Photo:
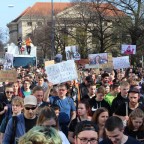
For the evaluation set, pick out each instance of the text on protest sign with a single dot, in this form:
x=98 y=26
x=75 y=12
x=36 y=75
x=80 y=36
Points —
x=61 y=72
x=121 y=62
x=8 y=75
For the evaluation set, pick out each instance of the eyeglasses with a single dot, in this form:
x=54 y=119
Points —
x=32 y=108
x=85 y=140
x=11 y=92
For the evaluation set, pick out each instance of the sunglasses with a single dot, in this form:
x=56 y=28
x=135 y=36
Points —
x=32 y=108
x=11 y=92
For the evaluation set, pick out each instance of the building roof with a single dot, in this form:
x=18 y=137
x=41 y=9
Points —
x=110 y=10
x=25 y=11
x=43 y=9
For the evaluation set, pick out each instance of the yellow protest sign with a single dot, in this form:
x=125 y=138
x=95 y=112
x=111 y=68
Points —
x=47 y=63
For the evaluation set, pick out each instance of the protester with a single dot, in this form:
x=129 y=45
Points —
x=83 y=86
x=114 y=130
x=16 y=89
x=121 y=97
x=38 y=92
x=17 y=107
x=41 y=82
x=126 y=108
x=98 y=101
x=25 y=89
x=41 y=135
x=115 y=89
x=72 y=91
x=86 y=132
x=82 y=115
x=91 y=92
x=135 y=125
x=28 y=45
x=67 y=107
x=99 y=118
x=5 y=102
x=48 y=118
x=23 y=122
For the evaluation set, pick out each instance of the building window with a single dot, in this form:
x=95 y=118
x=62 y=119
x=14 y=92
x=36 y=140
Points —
x=29 y=23
x=39 y=23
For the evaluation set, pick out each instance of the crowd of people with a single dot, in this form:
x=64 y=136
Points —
x=97 y=108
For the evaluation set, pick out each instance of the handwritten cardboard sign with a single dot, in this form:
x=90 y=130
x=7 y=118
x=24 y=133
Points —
x=8 y=75
x=62 y=72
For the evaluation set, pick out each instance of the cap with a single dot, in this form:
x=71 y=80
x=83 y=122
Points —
x=134 y=90
x=30 y=100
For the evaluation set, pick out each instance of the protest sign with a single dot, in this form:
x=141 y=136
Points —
x=8 y=75
x=8 y=61
x=121 y=62
x=128 y=49
x=72 y=53
x=108 y=67
x=100 y=58
x=62 y=72
x=47 y=63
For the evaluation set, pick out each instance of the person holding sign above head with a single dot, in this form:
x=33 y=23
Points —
x=66 y=105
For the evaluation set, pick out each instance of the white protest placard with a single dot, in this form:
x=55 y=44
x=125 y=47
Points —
x=128 y=49
x=121 y=62
x=62 y=72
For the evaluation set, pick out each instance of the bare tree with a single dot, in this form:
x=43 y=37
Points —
x=93 y=23
x=133 y=26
